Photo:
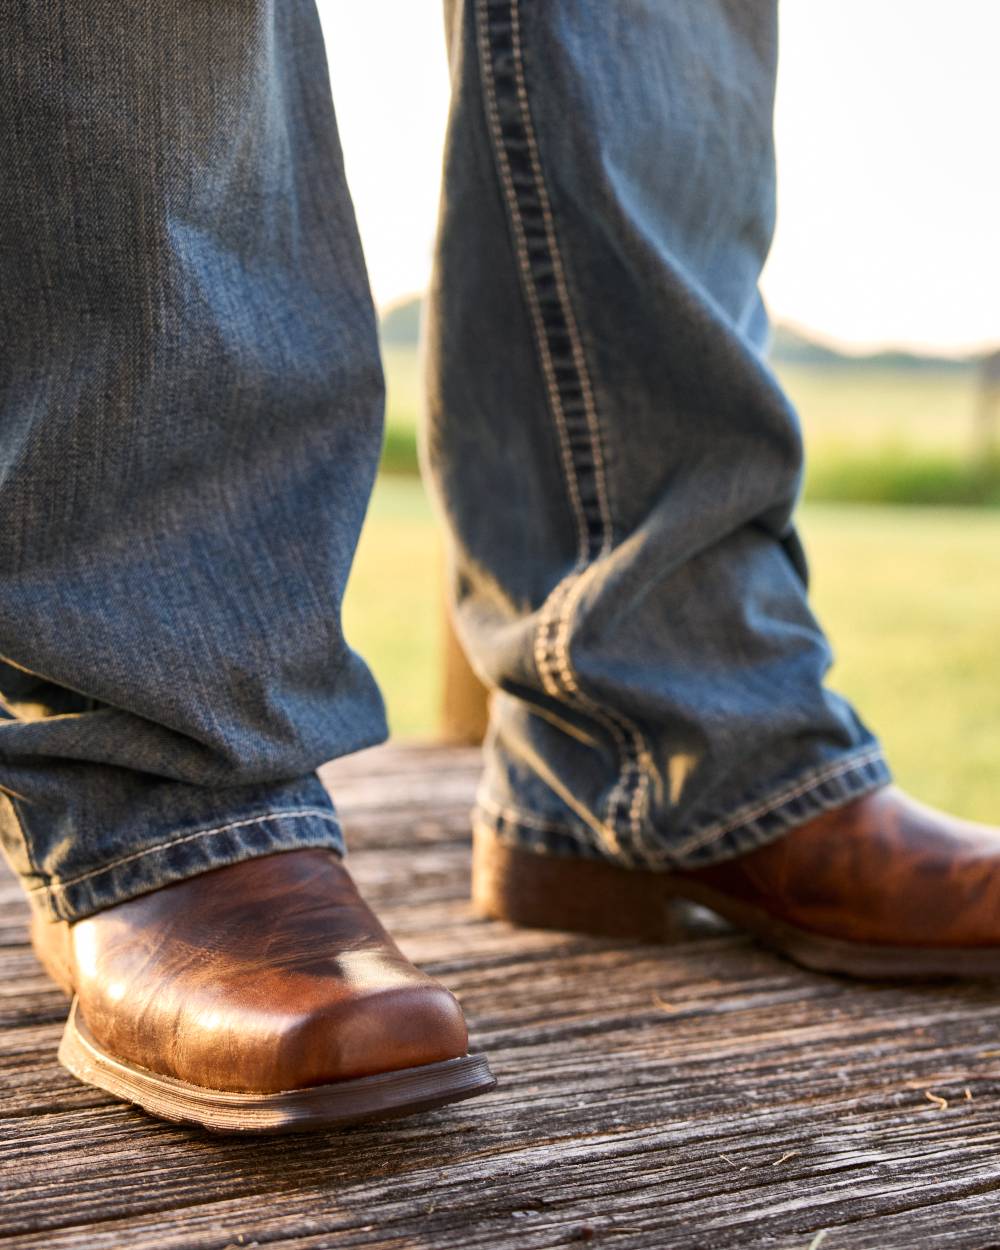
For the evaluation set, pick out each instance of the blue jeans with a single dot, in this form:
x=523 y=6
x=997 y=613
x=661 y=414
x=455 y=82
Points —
x=192 y=415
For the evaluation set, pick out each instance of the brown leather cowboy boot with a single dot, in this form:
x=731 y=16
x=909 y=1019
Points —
x=261 y=997
x=881 y=887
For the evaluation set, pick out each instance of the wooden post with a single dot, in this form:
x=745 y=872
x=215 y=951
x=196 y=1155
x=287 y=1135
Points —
x=464 y=698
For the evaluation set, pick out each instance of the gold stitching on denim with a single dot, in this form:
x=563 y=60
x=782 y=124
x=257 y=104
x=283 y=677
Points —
x=801 y=787
x=576 y=346
x=524 y=261
x=551 y=646
x=187 y=837
x=633 y=757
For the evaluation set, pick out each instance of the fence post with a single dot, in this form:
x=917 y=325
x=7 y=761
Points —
x=464 y=698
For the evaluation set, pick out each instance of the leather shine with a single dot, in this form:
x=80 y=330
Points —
x=267 y=975
x=883 y=869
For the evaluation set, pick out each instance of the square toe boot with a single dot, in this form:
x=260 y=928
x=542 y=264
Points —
x=880 y=887
x=260 y=997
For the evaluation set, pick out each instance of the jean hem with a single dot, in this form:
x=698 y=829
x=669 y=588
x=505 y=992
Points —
x=186 y=854
x=749 y=825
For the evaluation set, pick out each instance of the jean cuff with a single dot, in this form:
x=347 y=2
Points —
x=186 y=852
x=753 y=823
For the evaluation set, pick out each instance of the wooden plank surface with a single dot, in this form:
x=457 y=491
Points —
x=703 y=1095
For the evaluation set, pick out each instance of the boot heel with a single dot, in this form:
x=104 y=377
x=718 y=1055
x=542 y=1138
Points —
x=539 y=891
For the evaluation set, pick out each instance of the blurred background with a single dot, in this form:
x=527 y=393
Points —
x=884 y=288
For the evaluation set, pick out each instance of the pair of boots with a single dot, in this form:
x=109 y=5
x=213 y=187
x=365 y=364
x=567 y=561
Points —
x=266 y=996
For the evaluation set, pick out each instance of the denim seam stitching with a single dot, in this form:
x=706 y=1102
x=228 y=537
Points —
x=635 y=756
x=813 y=780
x=527 y=276
x=516 y=816
x=187 y=837
x=771 y=805
x=551 y=648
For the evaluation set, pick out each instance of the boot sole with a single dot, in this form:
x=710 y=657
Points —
x=540 y=891
x=386 y=1095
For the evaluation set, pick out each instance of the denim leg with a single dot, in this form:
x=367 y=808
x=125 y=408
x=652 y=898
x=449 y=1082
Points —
x=616 y=461
x=190 y=421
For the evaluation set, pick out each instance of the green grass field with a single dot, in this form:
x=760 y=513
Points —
x=874 y=434
x=871 y=409
x=843 y=409
x=910 y=597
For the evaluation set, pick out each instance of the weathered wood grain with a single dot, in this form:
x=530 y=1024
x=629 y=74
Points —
x=703 y=1095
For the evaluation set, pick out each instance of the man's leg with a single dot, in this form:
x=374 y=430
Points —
x=191 y=421
x=635 y=586
x=619 y=468
x=190 y=425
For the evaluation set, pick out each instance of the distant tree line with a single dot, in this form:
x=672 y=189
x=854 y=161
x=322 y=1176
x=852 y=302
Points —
x=789 y=346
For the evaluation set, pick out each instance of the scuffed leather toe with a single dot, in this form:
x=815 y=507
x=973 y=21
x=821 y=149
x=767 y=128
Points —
x=268 y=975
x=391 y=1028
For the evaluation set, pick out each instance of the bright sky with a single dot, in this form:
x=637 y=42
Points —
x=889 y=177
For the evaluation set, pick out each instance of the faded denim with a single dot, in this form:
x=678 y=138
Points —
x=617 y=463
x=191 y=414
x=190 y=422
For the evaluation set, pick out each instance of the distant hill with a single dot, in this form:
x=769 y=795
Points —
x=789 y=346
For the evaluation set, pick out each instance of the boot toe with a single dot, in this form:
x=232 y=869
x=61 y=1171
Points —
x=382 y=1031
